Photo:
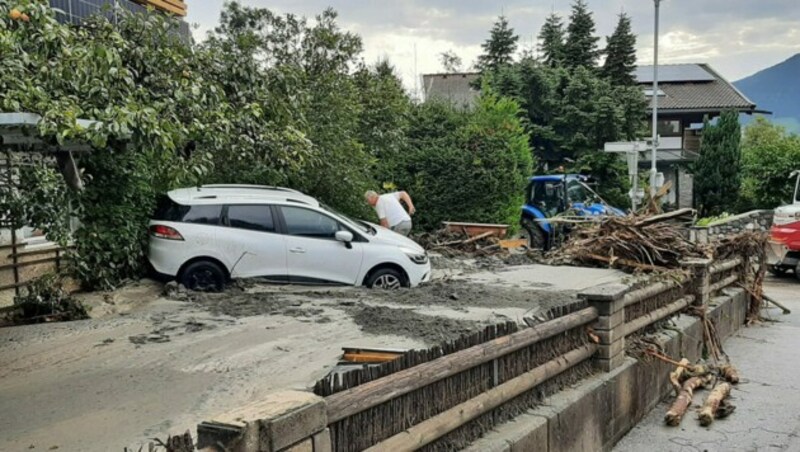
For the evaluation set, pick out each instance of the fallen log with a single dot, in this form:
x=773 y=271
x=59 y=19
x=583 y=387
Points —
x=729 y=373
x=676 y=376
x=684 y=399
x=712 y=404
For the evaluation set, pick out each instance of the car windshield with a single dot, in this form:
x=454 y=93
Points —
x=355 y=224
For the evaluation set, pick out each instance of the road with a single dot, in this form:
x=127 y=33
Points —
x=767 y=416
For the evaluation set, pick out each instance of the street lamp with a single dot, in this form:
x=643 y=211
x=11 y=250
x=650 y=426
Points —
x=653 y=168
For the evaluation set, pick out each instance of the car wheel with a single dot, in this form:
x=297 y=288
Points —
x=534 y=235
x=777 y=271
x=387 y=279
x=797 y=271
x=204 y=276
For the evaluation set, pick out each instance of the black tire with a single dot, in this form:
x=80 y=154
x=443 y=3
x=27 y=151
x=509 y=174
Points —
x=534 y=234
x=386 y=279
x=204 y=276
x=797 y=271
x=777 y=271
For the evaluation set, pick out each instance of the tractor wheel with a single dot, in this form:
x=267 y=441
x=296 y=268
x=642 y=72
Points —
x=534 y=235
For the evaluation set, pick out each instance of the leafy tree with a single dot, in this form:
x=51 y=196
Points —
x=551 y=41
x=769 y=155
x=451 y=62
x=499 y=49
x=580 y=48
x=621 y=54
x=717 y=170
x=469 y=165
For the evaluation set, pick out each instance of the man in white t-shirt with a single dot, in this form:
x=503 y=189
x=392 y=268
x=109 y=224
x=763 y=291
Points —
x=390 y=212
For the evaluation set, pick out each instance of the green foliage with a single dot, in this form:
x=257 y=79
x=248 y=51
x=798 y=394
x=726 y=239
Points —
x=708 y=221
x=266 y=99
x=451 y=62
x=610 y=172
x=464 y=165
x=621 y=54
x=769 y=155
x=551 y=41
x=580 y=48
x=499 y=49
x=717 y=171
x=45 y=296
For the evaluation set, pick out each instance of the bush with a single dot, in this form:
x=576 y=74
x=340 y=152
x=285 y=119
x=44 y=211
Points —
x=464 y=165
x=769 y=155
x=46 y=297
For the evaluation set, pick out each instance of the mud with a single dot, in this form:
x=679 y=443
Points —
x=382 y=320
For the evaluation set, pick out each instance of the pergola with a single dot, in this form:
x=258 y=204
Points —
x=20 y=142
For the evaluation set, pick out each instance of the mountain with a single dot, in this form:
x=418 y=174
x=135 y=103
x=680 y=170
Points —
x=777 y=89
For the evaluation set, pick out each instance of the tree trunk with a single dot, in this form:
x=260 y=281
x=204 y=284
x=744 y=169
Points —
x=713 y=401
x=684 y=400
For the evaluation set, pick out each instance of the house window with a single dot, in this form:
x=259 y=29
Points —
x=669 y=128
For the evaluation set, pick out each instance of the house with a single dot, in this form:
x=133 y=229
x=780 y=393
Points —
x=455 y=88
x=687 y=93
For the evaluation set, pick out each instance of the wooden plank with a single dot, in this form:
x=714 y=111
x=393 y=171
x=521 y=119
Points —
x=370 y=357
x=368 y=395
x=164 y=6
x=434 y=428
x=28 y=263
x=510 y=244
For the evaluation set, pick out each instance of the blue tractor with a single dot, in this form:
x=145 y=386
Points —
x=548 y=196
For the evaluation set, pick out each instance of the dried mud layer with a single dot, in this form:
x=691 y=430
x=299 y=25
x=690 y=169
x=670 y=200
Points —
x=438 y=311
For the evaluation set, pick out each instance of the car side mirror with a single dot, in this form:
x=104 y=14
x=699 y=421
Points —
x=345 y=237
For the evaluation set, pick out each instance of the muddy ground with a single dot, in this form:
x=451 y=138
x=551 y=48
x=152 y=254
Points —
x=149 y=364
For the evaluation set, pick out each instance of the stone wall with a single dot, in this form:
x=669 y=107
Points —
x=756 y=220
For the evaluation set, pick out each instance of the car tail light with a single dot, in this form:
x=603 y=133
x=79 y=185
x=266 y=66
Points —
x=165 y=232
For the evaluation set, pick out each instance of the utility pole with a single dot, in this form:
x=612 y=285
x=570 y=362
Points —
x=653 y=168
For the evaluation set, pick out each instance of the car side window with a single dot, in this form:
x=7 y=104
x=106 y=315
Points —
x=203 y=214
x=307 y=223
x=252 y=217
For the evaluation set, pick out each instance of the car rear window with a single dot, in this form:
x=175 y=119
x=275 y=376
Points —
x=169 y=210
x=253 y=217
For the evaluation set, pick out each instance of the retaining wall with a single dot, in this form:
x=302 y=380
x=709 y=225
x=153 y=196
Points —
x=596 y=414
x=756 y=220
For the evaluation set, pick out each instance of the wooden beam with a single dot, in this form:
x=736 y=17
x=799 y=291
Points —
x=164 y=6
x=434 y=428
x=357 y=399
x=660 y=313
x=370 y=357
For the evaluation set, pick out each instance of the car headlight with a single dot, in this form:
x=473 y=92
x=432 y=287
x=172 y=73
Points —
x=416 y=257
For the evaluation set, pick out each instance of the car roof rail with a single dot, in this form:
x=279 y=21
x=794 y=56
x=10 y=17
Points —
x=248 y=186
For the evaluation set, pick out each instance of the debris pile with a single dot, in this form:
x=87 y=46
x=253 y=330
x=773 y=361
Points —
x=455 y=243
x=687 y=378
x=44 y=300
x=632 y=243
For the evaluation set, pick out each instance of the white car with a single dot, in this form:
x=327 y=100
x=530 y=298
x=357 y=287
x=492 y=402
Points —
x=205 y=236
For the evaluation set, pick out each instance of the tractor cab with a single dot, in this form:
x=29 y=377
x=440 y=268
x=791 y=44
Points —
x=552 y=195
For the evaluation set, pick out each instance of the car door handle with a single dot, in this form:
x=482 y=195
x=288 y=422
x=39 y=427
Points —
x=297 y=251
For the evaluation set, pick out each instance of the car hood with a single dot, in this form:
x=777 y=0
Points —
x=388 y=237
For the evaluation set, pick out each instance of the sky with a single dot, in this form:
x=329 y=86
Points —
x=737 y=37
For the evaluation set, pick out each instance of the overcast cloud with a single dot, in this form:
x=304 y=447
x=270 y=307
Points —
x=737 y=37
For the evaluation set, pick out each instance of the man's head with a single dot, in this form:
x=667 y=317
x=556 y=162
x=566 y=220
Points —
x=371 y=197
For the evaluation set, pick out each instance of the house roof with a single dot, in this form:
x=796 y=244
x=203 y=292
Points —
x=693 y=88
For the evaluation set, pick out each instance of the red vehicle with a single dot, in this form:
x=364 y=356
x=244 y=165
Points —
x=783 y=251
